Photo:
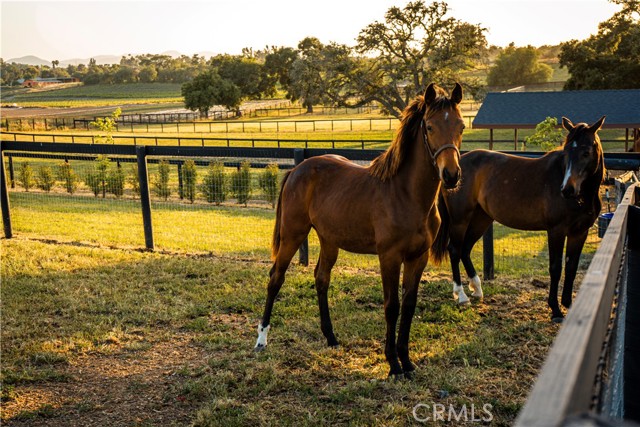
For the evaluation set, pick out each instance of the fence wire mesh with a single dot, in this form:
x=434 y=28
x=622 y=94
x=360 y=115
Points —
x=223 y=206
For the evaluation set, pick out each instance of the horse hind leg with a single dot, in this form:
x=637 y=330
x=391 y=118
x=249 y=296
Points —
x=328 y=257
x=458 y=290
x=477 y=227
x=286 y=251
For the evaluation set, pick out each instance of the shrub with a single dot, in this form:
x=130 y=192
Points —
x=189 y=179
x=547 y=135
x=25 y=176
x=268 y=181
x=161 y=182
x=115 y=181
x=45 y=179
x=98 y=177
x=107 y=125
x=214 y=185
x=241 y=182
x=134 y=180
x=68 y=177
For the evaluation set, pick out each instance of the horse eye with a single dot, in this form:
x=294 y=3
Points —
x=585 y=154
x=429 y=128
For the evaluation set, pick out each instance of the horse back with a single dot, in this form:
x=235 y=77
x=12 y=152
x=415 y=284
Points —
x=519 y=192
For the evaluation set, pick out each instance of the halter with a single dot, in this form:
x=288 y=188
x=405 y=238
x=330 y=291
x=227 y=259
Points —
x=434 y=156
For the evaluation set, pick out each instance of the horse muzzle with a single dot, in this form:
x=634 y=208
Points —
x=450 y=179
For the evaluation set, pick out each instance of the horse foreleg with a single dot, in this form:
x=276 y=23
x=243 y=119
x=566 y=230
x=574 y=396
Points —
x=328 y=257
x=556 y=244
x=574 y=249
x=413 y=270
x=390 y=272
x=276 y=278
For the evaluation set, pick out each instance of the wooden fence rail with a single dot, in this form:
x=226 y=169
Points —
x=571 y=382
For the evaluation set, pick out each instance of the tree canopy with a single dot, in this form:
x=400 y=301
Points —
x=518 y=66
x=609 y=59
x=209 y=89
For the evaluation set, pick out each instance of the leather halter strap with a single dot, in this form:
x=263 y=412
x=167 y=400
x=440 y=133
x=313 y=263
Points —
x=432 y=154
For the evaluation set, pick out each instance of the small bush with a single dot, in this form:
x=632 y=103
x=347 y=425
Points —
x=241 y=183
x=115 y=181
x=134 y=180
x=97 y=179
x=547 y=135
x=68 y=177
x=189 y=180
x=161 y=182
x=45 y=179
x=214 y=186
x=25 y=176
x=268 y=181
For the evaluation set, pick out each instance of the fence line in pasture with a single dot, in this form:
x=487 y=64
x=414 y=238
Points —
x=362 y=143
x=136 y=173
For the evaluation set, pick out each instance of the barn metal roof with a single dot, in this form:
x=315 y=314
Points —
x=527 y=109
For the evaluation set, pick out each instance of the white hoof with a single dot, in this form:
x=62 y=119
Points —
x=459 y=295
x=261 y=343
x=475 y=285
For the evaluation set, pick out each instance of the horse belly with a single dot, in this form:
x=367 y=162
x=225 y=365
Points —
x=346 y=234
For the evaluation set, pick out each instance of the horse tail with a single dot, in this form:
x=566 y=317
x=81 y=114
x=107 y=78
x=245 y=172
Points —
x=275 y=243
x=439 y=248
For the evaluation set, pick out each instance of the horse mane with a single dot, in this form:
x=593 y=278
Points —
x=387 y=164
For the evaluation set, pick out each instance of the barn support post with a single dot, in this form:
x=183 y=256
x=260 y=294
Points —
x=626 y=140
x=488 y=269
x=4 y=199
x=145 y=197
x=303 y=252
x=491 y=139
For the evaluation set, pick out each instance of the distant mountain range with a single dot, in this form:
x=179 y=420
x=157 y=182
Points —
x=100 y=59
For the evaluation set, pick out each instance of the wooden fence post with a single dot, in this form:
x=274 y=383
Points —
x=488 y=269
x=12 y=178
x=4 y=199
x=145 y=197
x=303 y=252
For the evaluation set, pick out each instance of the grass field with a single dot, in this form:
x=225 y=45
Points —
x=97 y=95
x=97 y=331
x=96 y=336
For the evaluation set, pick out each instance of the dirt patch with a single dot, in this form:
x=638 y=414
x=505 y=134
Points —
x=130 y=388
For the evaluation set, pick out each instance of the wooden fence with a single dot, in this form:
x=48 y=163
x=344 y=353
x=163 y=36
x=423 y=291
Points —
x=592 y=369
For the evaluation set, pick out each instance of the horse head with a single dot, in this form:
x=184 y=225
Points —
x=582 y=155
x=443 y=126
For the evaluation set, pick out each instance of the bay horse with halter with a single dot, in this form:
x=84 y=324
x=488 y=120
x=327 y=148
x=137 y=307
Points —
x=558 y=192
x=388 y=209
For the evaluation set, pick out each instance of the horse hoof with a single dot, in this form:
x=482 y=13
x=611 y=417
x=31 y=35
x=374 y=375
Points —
x=396 y=377
x=464 y=302
x=259 y=347
x=557 y=319
x=410 y=375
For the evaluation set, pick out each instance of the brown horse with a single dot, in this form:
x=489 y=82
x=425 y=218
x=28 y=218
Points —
x=558 y=192
x=388 y=209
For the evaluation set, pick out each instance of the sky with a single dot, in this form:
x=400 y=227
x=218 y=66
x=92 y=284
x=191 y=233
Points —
x=84 y=29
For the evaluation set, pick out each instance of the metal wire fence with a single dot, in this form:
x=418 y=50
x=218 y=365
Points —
x=222 y=204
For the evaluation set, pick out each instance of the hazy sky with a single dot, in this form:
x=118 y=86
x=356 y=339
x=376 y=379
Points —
x=82 y=29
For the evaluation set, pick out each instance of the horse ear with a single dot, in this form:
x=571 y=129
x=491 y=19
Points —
x=430 y=94
x=566 y=123
x=597 y=125
x=456 y=95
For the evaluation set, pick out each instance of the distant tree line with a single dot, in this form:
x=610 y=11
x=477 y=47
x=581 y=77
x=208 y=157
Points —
x=391 y=62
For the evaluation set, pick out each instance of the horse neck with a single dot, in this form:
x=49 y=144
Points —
x=418 y=175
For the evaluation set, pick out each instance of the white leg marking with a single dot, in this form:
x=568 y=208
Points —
x=458 y=294
x=262 y=337
x=476 y=286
